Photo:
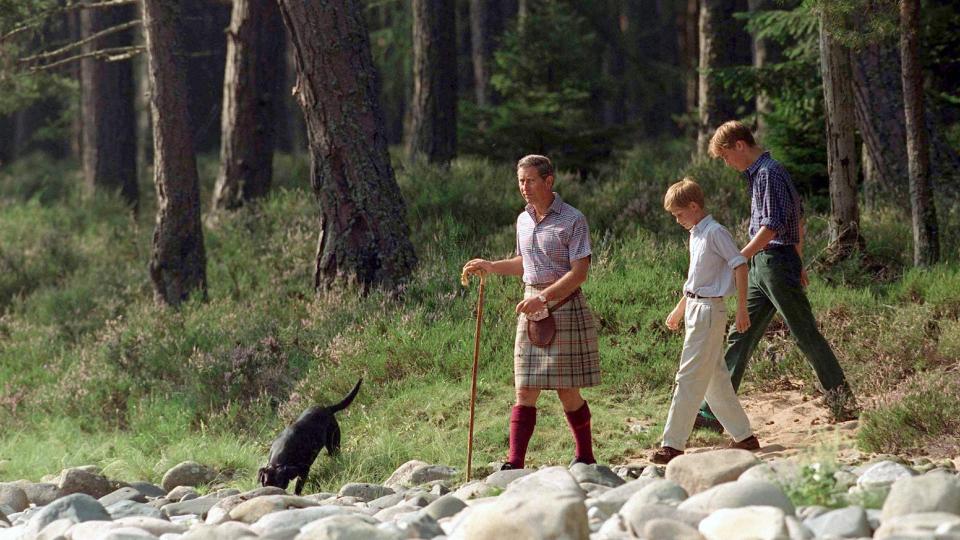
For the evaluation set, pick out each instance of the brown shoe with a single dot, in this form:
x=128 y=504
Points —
x=750 y=443
x=665 y=454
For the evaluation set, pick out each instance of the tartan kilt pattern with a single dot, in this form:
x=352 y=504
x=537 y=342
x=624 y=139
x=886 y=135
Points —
x=571 y=361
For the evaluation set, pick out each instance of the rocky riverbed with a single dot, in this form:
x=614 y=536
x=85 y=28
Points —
x=715 y=495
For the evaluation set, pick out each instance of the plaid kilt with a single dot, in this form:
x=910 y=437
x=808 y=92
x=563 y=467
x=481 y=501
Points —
x=571 y=361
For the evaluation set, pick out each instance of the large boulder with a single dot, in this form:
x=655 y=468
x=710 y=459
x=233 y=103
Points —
x=737 y=495
x=345 y=527
x=659 y=491
x=220 y=511
x=254 y=509
x=13 y=496
x=78 y=507
x=753 y=522
x=701 y=471
x=187 y=473
x=548 y=515
x=414 y=472
x=916 y=525
x=882 y=475
x=555 y=481
x=850 y=522
x=927 y=493
x=82 y=480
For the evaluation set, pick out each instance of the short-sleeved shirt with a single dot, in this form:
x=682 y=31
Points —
x=713 y=256
x=549 y=247
x=774 y=201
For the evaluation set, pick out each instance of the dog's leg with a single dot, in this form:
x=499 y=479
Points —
x=298 y=489
x=333 y=440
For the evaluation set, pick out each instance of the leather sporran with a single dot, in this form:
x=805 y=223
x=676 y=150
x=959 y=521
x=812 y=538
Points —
x=542 y=332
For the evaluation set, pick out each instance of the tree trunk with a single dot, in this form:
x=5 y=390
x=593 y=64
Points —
x=716 y=41
x=204 y=26
x=178 y=262
x=249 y=100
x=486 y=25
x=433 y=120
x=764 y=52
x=363 y=230
x=690 y=54
x=842 y=156
x=926 y=246
x=107 y=108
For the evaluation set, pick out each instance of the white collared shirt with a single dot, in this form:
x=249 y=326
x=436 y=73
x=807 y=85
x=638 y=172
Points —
x=713 y=256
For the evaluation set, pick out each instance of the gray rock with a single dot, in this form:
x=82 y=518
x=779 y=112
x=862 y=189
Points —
x=778 y=472
x=446 y=506
x=555 y=481
x=653 y=471
x=668 y=528
x=252 y=510
x=386 y=501
x=345 y=527
x=502 y=479
x=636 y=516
x=925 y=524
x=754 y=522
x=154 y=526
x=78 y=507
x=122 y=494
x=797 y=530
x=41 y=493
x=737 y=495
x=883 y=474
x=82 y=480
x=196 y=507
x=297 y=518
x=123 y=509
x=13 y=496
x=873 y=518
x=230 y=530
x=91 y=530
x=627 y=472
x=220 y=511
x=701 y=471
x=392 y=513
x=595 y=474
x=660 y=491
x=438 y=488
x=188 y=473
x=127 y=533
x=552 y=514
x=850 y=522
x=56 y=530
x=182 y=493
x=475 y=490
x=148 y=489
x=810 y=512
x=418 y=525
x=611 y=501
x=927 y=493
x=364 y=492
x=594 y=490
x=414 y=473
x=614 y=528
x=418 y=499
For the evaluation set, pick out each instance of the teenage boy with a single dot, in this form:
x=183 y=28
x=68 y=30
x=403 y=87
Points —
x=716 y=268
x=777 y=277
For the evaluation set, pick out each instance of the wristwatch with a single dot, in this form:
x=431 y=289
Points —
x=542 y=298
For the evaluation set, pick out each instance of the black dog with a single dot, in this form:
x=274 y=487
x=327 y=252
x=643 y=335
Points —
x=294 y=451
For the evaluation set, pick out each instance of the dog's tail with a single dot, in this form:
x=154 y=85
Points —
x=347 y=400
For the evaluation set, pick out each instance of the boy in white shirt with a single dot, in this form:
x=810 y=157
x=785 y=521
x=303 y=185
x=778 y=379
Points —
x=716 y=269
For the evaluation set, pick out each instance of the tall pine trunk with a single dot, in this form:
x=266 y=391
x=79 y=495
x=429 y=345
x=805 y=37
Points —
x=764 y=52
x=433 y=114
x=364 y=235
x=842 y=157
x=178 y=262
x=926 y=245
x=716 y=42
x=690 y=54
x=486 y=25
x=109 y=123
x=254 y=46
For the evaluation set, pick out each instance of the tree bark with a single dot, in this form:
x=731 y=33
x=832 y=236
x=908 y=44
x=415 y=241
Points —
x=107 y=109
x=690 y=54
x=178 y=261
x=204 y=24
x=716 y=42
x=486 y=25
x=842 y=155
x=249 y=100
x=363 y=231
x=764 y=52
x=926 y=246
x=433 y=120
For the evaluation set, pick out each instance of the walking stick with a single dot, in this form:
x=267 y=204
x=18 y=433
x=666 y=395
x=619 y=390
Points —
x=473 y=384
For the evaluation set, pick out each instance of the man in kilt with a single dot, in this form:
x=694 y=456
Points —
x=553 y=258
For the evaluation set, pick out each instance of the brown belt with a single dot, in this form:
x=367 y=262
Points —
x=689 y=294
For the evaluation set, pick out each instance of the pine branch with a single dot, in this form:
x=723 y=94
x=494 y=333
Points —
x=84 y=41
x=113 y=54
x=71 y=5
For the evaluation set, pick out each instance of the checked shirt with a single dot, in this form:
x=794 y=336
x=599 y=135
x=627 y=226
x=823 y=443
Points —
x=774 y=201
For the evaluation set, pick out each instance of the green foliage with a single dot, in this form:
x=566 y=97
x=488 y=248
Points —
x=923 y=414
x=816 y=485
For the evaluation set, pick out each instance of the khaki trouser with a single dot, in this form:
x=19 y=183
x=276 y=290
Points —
x=703 y=374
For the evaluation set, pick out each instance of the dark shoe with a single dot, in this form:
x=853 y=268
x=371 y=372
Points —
x=507 y=466
x=710 y=424
x=750 y=443
x=665 y=455
x=842 y=404
x=578 y=460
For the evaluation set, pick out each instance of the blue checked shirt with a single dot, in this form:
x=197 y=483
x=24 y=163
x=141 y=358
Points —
x=548 y=247
x=713 y=256
x=774 y=201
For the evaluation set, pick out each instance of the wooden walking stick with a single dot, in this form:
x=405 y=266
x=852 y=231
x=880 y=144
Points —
x=476 y=363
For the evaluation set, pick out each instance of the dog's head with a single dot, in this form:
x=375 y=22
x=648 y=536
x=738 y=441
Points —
x=276 y=475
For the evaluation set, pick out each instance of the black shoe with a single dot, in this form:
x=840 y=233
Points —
x=750 y=443
x=578 y=460
x=710 y=424
x=842 y=404
x=507 y=466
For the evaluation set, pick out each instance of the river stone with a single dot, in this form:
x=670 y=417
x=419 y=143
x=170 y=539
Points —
x=41 y=493
x=595 y=474
x=390 y=514
x=220 y=511
x=925 y=524
x=78 y=507
x=556 y=481
x=476 y=489
x=883 y=474
x=81 y=480
x=122 y=494
x=152 y=525
x=122 y=509
x=90 y=530
x=197 y=507
x=364 y=492
x=739 y=494
x=229 y=530
x=296 y=518
x=849 y=522
x=753 y=522
x=148 y=489
x=797 y=530
x=637 y=516
x=660 y=491
x=446 y=506
x=414 y=473
x=182 y=493
x=549 y=515
x=614 y=499
x=667 y=528
x=56 y=530
x=13 y=496
x=927 y=493
x=188 y=473
x=345 y=527
x=126 y=533
x=252 y=510
x=386 y=501
x=701 y=471
x=418 y=525
x=653 y=471
x=502 y=479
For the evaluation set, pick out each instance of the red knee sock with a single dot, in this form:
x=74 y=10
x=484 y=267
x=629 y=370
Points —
x=522 y=421
x=579 y=421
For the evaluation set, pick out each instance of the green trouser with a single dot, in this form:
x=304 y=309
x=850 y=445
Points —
x=774 y=287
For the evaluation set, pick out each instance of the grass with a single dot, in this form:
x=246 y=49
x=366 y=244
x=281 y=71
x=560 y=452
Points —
x=93 y=372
